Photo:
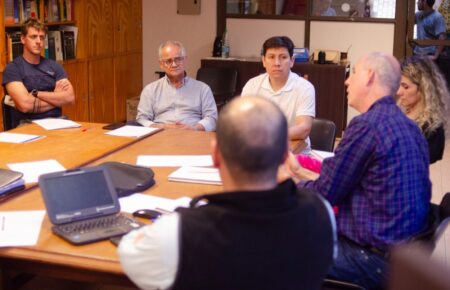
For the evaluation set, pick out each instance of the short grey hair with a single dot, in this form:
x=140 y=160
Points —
x=387 y=68
x=173 y=43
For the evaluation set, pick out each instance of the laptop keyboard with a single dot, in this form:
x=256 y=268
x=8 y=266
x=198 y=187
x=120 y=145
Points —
x=97 y=229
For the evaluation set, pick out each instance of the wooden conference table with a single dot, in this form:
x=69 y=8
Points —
x=96 y=262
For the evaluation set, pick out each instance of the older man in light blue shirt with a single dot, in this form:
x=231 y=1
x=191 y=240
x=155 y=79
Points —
x=177 y=101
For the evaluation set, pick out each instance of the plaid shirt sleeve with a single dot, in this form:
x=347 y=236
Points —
x=342 y=173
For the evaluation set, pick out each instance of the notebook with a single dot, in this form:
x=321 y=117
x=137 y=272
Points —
x=83 y=205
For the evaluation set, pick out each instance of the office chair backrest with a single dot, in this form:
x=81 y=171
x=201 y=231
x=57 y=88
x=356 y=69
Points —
x=7 y=115
x=222 y=82
x=322 y=135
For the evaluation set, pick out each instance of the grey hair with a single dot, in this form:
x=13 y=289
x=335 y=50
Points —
x=174 y=43
x=387 y=68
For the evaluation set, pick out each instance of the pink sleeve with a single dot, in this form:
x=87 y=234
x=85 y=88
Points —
x=309 y=163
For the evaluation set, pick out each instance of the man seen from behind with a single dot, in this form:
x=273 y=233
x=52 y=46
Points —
x=257 y=234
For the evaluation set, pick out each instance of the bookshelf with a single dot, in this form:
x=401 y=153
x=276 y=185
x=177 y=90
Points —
x=107 y=69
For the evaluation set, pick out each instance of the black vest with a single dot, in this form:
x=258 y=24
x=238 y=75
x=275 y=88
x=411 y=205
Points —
x=276 y=239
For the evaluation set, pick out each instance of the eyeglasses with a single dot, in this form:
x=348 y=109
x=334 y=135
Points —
x=168 y=62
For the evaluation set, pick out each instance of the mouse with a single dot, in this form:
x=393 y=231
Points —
x=147 y=214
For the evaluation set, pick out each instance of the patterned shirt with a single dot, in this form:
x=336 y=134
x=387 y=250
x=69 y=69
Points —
x=378 y=177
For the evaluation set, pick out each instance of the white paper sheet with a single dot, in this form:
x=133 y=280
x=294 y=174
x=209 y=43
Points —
x=132 y=131
x=174 y=160
x=321 y=155
x=204 y=175
x=20 y=228
x=18 y=138
x=32 y=170
x=138 y=201
x=55 y=123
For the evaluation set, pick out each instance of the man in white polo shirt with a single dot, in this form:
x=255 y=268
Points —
x=293 y=94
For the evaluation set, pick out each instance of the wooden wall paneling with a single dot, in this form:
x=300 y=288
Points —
x=128 y=26
x=77 y=72
x=128 y=74
x=100 y=27
x=101 y=90
x=82 y=39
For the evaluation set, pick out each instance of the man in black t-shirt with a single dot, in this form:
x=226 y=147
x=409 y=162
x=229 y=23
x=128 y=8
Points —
x=36 y=87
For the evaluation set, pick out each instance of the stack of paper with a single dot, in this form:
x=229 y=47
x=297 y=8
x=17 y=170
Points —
x=321 y=155
x=18 y=138
x=32 y=170
x=174 y=160
x=139 y=201
x=204 y=175
x=133 y=131
x=55 y=123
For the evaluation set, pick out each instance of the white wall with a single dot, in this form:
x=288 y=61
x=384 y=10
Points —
x=161 y=22
x=247 y=35
x=197 y=33
x=360 y=37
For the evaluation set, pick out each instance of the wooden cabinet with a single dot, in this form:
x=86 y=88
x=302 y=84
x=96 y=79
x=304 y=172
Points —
x=111 y=39
x=328 y=81
x=108 y=68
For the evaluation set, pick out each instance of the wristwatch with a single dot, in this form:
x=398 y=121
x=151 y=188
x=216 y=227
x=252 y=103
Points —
x=34 y=93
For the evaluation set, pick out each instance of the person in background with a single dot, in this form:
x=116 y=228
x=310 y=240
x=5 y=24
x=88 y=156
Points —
x=36 y=87
x=378 y=177
x=258 y=234
x=323 y=8
x=176 y=100
x=423 y=96
x=293 y=94
x=430 y=25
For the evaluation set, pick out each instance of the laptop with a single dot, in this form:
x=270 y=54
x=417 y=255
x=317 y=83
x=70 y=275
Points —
x=83 y=206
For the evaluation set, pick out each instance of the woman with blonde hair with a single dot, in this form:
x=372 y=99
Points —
x=423 y=95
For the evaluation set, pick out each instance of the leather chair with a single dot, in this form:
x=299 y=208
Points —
x=438 y=220
x=7 y=116
x=222 y=82
x=322 y=135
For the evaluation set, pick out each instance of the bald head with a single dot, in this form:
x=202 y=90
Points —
x=252 y=136
x=387 y=69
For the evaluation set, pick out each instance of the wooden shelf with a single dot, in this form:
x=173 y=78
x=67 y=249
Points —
x=18 y=25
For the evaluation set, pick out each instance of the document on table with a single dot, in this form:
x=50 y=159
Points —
x=20 y=228
x=138 y=201
x=32 y=170
x=55 y=123
x=190 y=174
x=174 y=160
x=18 y=138
x=133 y=131
x=321 y=155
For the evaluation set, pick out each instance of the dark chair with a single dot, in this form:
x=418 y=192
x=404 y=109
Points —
x=7 y=115
x=322 y=135
x=438 y=220
x=222 y=82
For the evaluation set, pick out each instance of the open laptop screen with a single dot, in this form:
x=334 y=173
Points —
x=78 y=195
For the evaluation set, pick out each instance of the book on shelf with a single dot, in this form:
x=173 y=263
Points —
x=9 y=12
x=68 y=44
x=58 y=45
x=18 y=11
x=51 y=53
x=14 y=45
